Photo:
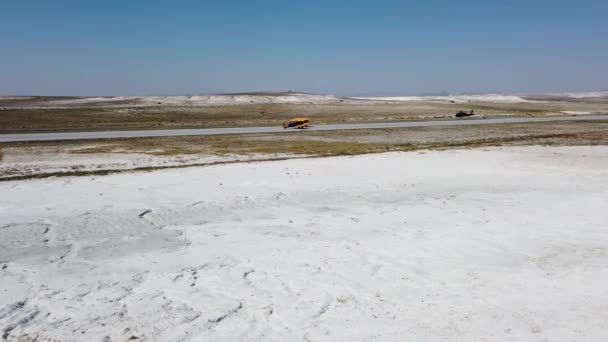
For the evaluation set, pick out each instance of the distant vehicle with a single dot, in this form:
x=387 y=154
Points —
x=299 y=123
x=462 y=114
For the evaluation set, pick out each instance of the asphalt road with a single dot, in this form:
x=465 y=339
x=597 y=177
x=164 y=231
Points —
x=16 y=137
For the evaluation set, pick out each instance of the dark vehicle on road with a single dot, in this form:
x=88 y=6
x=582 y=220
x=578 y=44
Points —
x=462 y=114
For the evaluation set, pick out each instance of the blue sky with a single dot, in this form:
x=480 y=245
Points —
x=341 y=47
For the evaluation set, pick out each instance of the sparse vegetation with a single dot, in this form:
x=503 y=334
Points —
x=303 y=144
x=269 y=114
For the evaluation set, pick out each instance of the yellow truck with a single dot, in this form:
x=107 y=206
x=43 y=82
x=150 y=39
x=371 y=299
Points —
x=299 y=123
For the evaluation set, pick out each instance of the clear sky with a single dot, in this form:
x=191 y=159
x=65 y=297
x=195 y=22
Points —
x=348 y=47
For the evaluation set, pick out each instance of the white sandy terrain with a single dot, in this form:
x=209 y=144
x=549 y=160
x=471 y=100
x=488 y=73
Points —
x=503 y=244
x=42 y=161
x=197 y=100
x=194 y=100
x=453 y=98
x=6 y=98
x=239 y=99
x=582 y=95
x=87 y=100
x=265 y=98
